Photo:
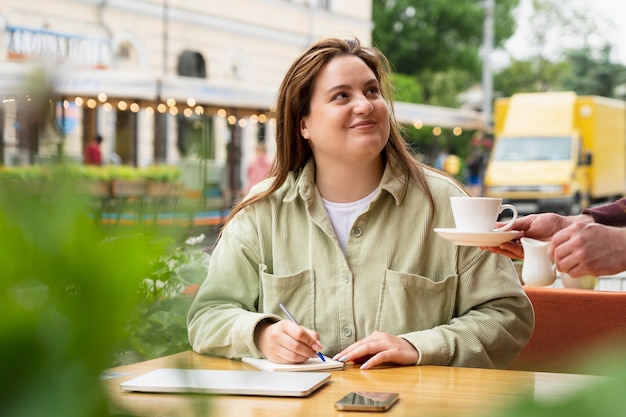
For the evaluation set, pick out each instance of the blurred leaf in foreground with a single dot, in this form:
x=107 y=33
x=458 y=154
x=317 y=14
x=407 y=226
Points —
x=65 y=293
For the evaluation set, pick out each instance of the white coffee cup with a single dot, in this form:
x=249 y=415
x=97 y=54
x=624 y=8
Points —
x=480 y=214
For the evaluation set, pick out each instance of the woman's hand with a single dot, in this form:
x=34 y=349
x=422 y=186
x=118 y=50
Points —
x=286 y=342
x=379 y=348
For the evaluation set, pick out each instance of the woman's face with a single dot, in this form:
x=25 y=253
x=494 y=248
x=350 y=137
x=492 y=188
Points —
x=349 y=119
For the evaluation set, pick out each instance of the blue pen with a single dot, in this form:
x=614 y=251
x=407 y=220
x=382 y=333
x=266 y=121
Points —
x=292 y=318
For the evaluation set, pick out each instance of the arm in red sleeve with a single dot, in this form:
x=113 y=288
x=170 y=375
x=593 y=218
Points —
x=613 y=214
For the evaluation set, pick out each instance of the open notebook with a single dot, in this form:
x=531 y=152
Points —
x=279 y=384
x=312 y=364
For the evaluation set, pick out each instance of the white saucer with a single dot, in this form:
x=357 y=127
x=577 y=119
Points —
x=476 y=238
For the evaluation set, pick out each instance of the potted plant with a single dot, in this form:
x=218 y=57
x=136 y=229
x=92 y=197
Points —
x=162 y=180
x=158 y=325
x=126 y=182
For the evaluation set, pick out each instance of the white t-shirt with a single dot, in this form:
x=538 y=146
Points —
x=343 y=215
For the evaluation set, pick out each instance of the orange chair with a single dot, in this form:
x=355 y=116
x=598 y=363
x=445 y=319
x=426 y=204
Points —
x=572 y=327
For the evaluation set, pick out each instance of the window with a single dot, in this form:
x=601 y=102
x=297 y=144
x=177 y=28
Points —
x=191 y=64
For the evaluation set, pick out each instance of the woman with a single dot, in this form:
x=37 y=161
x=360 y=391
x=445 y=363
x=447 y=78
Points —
x=342 y=234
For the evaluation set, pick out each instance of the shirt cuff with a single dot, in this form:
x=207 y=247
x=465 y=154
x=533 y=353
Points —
x=431 y=347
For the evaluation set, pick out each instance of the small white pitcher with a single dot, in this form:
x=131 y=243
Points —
x=538 y=270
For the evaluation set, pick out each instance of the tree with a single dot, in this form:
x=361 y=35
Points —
x=568 y=51
x=530 y=75
x=591 y=72
x=436 y=35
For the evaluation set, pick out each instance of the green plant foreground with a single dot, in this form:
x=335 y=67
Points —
x=71 y=297
x=158 y=326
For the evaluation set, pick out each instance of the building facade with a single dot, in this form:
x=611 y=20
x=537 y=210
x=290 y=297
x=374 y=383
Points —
x=162 y=81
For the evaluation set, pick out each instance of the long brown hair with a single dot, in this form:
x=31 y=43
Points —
x=294 y=98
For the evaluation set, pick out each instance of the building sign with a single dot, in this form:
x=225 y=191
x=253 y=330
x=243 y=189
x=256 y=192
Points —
x=25 y=43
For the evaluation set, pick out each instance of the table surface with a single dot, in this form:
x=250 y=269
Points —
x=424 y=390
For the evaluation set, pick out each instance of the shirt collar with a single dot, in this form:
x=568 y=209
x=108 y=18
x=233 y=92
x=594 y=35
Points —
x=392 y=181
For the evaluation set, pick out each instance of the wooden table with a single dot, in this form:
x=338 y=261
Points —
x=424 y=391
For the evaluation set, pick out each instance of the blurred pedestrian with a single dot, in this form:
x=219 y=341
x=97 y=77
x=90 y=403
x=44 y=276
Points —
x=93 y=154
x=259 y=168
x=474 y=165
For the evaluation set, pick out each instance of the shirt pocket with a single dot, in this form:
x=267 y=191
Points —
x=295 y=291
x=410 y=302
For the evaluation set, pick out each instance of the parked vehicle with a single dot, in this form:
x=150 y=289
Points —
x=556 y=151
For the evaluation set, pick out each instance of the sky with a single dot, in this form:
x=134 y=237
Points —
x=610 y=16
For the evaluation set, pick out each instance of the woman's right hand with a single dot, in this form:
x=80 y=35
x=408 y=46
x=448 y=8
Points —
x=286 y=342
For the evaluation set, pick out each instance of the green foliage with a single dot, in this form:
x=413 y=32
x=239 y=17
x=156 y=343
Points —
x=65 y=293
x=158 y=325
x=407 y=89
x=445 y=86
x=436 y=35
x=529 y=76
x=22 y=173
x=562 y=57
x=592 y=72
x=161 y=173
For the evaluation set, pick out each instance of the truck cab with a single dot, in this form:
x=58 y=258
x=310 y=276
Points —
x=557 y=152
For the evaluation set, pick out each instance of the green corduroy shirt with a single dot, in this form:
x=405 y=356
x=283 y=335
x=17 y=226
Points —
x=457 y=305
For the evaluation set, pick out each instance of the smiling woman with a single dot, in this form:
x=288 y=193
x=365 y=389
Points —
x=342 y=233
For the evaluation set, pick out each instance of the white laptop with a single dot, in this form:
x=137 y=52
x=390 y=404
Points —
x=235 y=382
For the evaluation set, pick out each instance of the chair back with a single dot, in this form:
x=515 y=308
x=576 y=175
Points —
x=572 y=326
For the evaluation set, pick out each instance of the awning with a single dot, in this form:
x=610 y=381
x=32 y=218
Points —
x=113 y=83
x=222 y=94
x=445 y=117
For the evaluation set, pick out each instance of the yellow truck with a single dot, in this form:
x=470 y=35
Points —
x=557 y=151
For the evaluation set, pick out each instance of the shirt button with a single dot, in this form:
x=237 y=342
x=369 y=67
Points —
x=357 y=231
x=345 y=277
x=347 y=331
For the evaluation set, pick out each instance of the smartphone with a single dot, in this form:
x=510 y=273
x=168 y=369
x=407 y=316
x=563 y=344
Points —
x=367 y=401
